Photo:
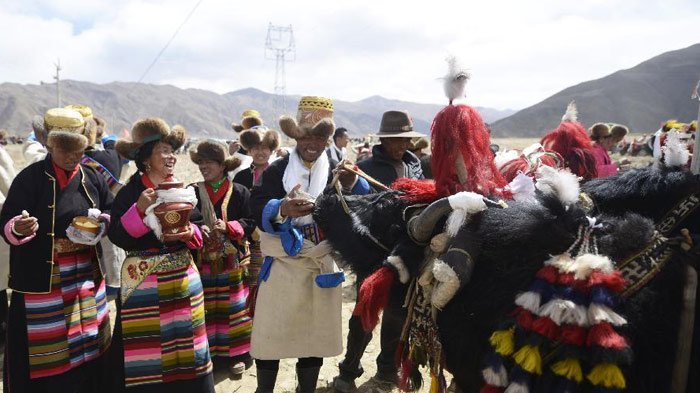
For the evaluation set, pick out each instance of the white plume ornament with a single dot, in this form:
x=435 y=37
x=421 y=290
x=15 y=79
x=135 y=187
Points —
x=559 y=182
x=675 y=151
x=571 y=112
x=455 y=81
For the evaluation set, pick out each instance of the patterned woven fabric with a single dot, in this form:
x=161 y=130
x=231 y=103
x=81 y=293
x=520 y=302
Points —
x=112 y=181
x=228 y=323
x=163 y=328
x=68 y=326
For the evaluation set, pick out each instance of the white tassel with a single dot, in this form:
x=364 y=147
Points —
x=522 y=187
x=455 y=221
x=598 y=313
x=495 y=377
x=562 y=262
x=675 y=151
x=455 y=82
x=529 y=300
x=560 y=183
x=447 y=284
x=555 y=309
x=571 y=112
x=401 y=268
x=502 y=157
x=466 y=200
x=517 y=387
x=586 y=263
x=576 y=316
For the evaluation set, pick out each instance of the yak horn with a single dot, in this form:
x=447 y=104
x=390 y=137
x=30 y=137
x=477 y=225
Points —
x=420 y=227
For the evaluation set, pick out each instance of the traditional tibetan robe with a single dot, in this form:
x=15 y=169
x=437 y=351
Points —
x=297 y=313
x=58 y=323
x=160 y=340
x=221 y=264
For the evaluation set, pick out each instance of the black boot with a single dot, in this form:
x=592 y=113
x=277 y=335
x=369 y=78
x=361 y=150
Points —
x=307 y=378
x=266 y=381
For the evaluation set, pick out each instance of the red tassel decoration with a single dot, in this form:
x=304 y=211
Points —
x=405 y=374
x=603 y=335
x=490 y=389
x=546 y=328
x=548 y=274
x=416 y=191
x=525 y=319
x=373 y=296
x=613 y=281
x=573 y=335
x=566 y=279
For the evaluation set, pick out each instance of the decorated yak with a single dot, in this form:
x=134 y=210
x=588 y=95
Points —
x=548 y=294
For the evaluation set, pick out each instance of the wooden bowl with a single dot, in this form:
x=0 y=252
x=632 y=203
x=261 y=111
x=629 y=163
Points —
x=86 y=224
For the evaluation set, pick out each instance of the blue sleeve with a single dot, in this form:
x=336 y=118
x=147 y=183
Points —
x=291 y=237
x=361 y=187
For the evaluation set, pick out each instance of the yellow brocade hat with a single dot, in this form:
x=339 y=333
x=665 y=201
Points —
x=249 y=119
x=65 y=129
x=84 y=111
x=314 y=118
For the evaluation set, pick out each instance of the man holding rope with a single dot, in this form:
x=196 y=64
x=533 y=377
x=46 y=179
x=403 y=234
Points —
x=390 y=160
x=299 y=302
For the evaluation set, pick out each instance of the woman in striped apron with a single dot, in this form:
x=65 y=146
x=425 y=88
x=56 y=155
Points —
x=160 y=341
x=222 y=262
x=58 y=324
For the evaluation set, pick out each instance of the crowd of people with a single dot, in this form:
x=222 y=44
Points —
x=231 y=269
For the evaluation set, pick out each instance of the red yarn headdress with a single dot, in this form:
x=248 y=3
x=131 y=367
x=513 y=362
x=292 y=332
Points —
x=570 y=139
x=458 y=131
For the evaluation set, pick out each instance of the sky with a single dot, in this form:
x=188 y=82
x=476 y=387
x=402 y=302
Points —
x=518 y=52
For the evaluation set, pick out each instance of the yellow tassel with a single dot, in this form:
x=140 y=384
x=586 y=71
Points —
x=528 y=357
x=607 y=375
x=569 y=369
x=434 y=383
x=502 y=341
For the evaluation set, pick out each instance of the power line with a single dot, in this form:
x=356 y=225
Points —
x=169 y=41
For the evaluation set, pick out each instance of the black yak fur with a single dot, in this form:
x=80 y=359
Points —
x=650 y=191
x=377 y=215
x=513 y=243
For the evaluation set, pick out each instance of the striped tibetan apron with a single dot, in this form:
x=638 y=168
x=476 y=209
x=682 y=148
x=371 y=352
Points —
x=162 y=318
x=225 y=300
x=68 y=326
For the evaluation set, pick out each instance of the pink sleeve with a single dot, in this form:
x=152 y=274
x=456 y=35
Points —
x=133 y=223
x=12 y=238
x=195 y=242
x=235 y=230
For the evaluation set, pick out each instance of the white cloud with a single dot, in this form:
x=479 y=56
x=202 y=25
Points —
x=519 y=52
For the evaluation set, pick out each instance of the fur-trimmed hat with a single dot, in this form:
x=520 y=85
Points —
x=65 y=128
x=39 y=130
x=599 y=131
x=210 y=149
x=618 y=131
x=249 y=119
x=260 y=136
x=101 y=126
x=314 y=118
x=149 y=130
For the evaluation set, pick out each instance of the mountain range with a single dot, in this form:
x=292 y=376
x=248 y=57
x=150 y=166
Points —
x=641 y=97
x=203 y=113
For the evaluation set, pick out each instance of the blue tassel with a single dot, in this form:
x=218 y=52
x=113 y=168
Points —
x=600 y=295
x=265 y=269
x=543 y=288
x=329 y=280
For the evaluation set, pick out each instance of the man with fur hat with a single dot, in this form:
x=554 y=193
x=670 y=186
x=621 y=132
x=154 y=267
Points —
x=226 y=226
x=298 y=306
x=55 y=212
x=259 y=144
